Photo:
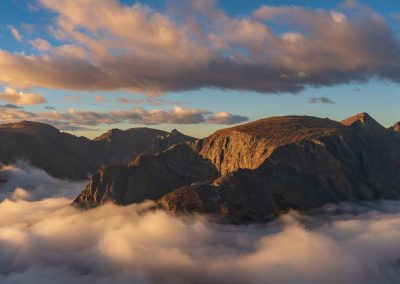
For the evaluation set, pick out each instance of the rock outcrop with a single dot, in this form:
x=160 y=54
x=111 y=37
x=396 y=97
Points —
x=67 y=156
x=396 y=127
x=148 y=177
x=257 y=170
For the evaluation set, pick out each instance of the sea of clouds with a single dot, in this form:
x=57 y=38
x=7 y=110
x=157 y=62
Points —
x=45 y=240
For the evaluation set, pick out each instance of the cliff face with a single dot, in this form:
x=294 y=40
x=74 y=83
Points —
x=67 y=156
x=254 y=171
x=249 y=145
x=148 y=177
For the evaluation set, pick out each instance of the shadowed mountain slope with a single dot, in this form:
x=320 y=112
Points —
x=254 y=171
x=67 y=156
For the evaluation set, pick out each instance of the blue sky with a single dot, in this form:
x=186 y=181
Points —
x=375 y=93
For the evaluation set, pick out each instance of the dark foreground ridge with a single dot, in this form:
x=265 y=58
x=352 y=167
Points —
x=255 y=171
x=67 y=156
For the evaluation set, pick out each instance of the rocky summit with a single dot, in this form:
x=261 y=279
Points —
x=66 y=156
x=252 y=172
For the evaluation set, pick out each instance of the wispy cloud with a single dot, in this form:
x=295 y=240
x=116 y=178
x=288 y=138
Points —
x=323 y=100
x=15 y=33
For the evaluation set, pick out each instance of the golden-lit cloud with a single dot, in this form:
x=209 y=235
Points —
x=106 y=45
x=11 y=95
x=100 y=98
x=226 y=118
x=40 y=44
x=75 y=119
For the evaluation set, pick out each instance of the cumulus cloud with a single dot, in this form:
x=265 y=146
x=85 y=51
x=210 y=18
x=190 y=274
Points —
x=107 y=45
x=51 y=242
x=227 y=118
x=323 y=100
x=80 y=119
x=19 y=98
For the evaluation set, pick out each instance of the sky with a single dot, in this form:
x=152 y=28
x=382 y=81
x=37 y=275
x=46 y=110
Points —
x=86 y=66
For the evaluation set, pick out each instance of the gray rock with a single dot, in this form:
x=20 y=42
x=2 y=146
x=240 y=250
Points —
x=255 y=171
x=67 y=156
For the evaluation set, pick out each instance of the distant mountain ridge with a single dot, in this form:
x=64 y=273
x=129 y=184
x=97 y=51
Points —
x=254 y=171
x=67 y=156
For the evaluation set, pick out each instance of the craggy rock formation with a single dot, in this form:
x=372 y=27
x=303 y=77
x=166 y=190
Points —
x=67 y=156
x=148 y=177
x=396 y=127
x=122 y=147
x=257 y=170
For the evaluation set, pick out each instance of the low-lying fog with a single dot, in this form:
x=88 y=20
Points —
x=44 y=240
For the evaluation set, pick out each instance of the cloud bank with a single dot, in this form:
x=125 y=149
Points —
x=23 y=182
x=79 y=119
x=106 y=45
x=49 y=241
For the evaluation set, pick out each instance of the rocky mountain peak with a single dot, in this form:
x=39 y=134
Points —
x=247 y=146
x=364 y=122
x=361 y=118
x=254 y=171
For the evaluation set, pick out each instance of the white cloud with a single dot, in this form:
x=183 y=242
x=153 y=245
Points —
x=51 y=242
x=23 y=182
x=11 y=95
x=227 y=118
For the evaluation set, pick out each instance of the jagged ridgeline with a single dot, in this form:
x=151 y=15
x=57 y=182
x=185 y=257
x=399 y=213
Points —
x=66 y=156
x=254 y=171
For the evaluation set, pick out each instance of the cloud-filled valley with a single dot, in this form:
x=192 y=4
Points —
x=48 y=240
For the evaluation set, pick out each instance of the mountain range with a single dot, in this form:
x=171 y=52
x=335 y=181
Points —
x=64 y=155
x=248 y=173
x=254 y=171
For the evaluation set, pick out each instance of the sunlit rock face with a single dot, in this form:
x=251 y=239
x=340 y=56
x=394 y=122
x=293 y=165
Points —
x=396 y=127
x=255 y=171
x=67 y=156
